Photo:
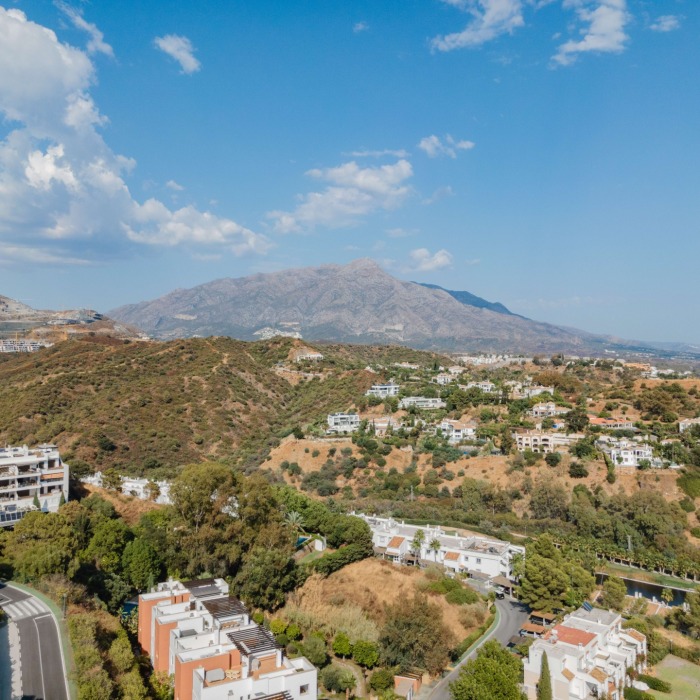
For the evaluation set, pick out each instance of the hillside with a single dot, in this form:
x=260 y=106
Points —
x=150 y=407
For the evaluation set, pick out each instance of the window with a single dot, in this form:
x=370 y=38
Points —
x=303 y=690
x=478 y=561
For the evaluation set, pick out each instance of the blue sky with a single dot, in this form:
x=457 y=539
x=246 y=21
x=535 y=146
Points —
x=542 y=153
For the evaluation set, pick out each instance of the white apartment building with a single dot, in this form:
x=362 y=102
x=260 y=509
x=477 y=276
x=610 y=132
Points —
x=31 y=479
x=588 y=655
x=309 y=355
x=456 y=431
x=343 y=423
x=23 y=345
x=627 y=453
x=138 y=488
x=543 y=441
x=201 y=636
x=687 y=423
x=547 y=410
x=423 y=402
x=611 y=423
x=460 y=554
x=382 y=391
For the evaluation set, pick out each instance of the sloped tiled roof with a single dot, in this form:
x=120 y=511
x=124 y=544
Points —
x=395 y=542
x=599 y=675
x=570 y=635
x=567 y=674
x=452 y=556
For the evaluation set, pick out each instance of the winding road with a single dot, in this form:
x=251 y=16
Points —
x=511 y=616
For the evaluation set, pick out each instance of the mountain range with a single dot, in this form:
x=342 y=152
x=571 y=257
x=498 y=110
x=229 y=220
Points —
x=357 y=303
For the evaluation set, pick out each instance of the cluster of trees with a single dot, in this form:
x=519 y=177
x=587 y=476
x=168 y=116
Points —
x=495 y=674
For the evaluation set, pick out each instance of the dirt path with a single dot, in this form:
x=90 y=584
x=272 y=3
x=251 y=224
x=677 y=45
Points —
x=360 y=690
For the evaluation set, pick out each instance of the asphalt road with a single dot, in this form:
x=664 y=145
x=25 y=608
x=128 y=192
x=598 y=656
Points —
x=511 y=617
x=43 y=676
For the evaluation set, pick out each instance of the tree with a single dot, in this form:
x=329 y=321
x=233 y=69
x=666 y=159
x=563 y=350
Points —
x=548 y=499
x=552 y=459
x=577 y=470
x=107 y=545
x=314 y=649
x=493 y=675
x=435 y=547
x=414 y=635
x=265 y=577
x=614 y=592
x=576 y=420
x=365 y=653
x=341 y=645
x=544 y=687
x=140 y=563
x=667 y=595
x=337 y=679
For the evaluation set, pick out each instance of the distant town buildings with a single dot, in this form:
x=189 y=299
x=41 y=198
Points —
x=443 y=379
x=547 y=410
x=23 y=345
x=611 y=423
x=143 y=489
x=588 y=656
x=31 y=479
x=382 y=391
x=308 y=355
x=422 y=402
x=382 y=425
x=456 y=431
x=343 y=423
x=202 y=636
x=470 y=554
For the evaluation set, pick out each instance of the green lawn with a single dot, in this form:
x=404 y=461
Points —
x=683 y=676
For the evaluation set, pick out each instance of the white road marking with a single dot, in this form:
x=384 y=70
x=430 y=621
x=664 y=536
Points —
x=41 y=663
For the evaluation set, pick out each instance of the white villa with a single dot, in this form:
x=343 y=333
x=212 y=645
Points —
x=31 y=479
x=443 y=379
x=547 y=410
x=627 y=453
x=383 y=424
x=421 y=402
x=486 y=387
x=471 y=555
x=138 y=488
x=455 y=431
x=687 y=423
x=588 y=655
x=200 y=635
x=343 y=423
x=543 y=441
x=383 y=390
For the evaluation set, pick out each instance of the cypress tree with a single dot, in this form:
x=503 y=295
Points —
x=544 y=687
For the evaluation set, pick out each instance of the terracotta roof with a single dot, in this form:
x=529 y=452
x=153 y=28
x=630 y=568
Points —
x=544 y=615
x=452 y=556
x=395 y=542
x=599 y=675
x=570 y=635
x=611 y=688
x=635 y=635
x=567 y=674
x=530 y=627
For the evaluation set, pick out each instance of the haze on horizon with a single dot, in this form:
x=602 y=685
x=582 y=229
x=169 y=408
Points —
x=540 y=153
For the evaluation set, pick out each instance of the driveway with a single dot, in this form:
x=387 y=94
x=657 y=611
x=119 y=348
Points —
x=37 y=646
x=511 y=616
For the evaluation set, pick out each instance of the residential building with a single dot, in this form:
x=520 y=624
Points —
x=687 y=423
x=200 y=635
x=588 y=655
x=138 y=488
x=486 y=387
x=310 y=355
x=547 y=410
x=544 y=441
x=469 y=554
x=382 y=391
x=23 y=345
x=611 y=423
x=421 y=402
x=627 y=453
x=443 y=379
x=456 y=431
x=383 y=424
x=456 y=369
x=31 y=479
x=343 y=423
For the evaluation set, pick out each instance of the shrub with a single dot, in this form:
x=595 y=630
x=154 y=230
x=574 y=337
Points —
x=462 y=596
x=553 y=459
x=293 y=631
x=655 y=683
x=382 y=679
x=634 y=694
x=577 y=470
x=278 y=626
x=687 y=505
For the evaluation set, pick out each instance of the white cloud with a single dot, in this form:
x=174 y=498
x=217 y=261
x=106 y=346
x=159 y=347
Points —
x=490 y=19
x=438 y=194
x=179 y=48
x=434 y=146
x=352 y=192
x=63 y=191
x=175 y=186
x=97 y=43
x=399 y=153
x=359 y=27
x=425 y=261
x=401 y=232
x=604 y=29
x=665 y=23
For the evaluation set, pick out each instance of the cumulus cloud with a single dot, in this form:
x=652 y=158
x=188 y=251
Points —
x=181 y=50
x=490 y=19
x=96 y=43
x=665 y=23
x=63 y=191
x=604 y=23
x=425 y=261
x=359 y=27
x=175 y=186
x=434 y=146
x=351 y=193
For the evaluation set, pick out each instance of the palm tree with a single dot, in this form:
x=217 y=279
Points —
x=435 y=546
x=295 y=521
